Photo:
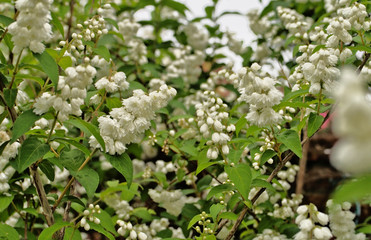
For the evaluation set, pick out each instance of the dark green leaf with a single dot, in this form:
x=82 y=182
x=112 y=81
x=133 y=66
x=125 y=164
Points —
x=353 y=190
x=57 y=23
x=88 y=128
x=72 y=234
x=47 y=233
x=240 y=124
x=103 y=52
x=263 y=184
x=106 y=221
x=290 y=139
x=5 y=20
x=31 y=151
x=23 y=123
x=101 y=230
x=74 y=143
x=88 y=178
x=49 y=66
x=10 y=96
x=314 y=123
x=267 y=155
x=47 y=168
x=8 y=233
x=240 y=175
x=142 y=213
x=5 y=202
x=73 y=199
x=123 y=164
x=219 y=189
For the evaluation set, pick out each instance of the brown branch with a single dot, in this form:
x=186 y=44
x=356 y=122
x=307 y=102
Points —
x=302 y=167
x=366 y=57
x=69 y=23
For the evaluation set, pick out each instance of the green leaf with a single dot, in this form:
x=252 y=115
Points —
x=57 y=23
x=240 y=175
x=194 y=220
x=263 y=184
x=106 y=221
x=234 y=156
x=360 y=48
x=101 y=230
x=74 y=143
x=47 y=168
x=47 y=233
x=123 y=164
x=318 y=47
x=290 y=139
x=73 y=199
x=6 y=20
x=88 y=178
x=142 y=213
x=65 y=62
x=49 y=66
x=365 y=229
x=189 y=147
x=314 y=123
x=112 y=22
x=103 y=52
x=215 y=210
x=353 y=190
x=177 y=6
x=219 y=189
x=5 y=202
x=267 y=155
x=8 y=233
x=228 y=215
x=23 y=123
x=31 y=151
x=72 y=234
x=88 y=128
x=240 y=124
x=10 y=96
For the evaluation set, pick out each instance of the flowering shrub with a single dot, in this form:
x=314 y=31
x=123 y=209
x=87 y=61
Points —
x=115 y=127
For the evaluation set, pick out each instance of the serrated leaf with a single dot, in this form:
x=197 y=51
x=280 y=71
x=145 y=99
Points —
x=234 y=156
x=88 y=178
x=215 y=210
x=23 y=123
x=5 y=202
x=190 y=148
x=290 y=139
x=263 y=184
x=49 y=66
x=123 y=164
x=194 y=220
x=31 y=151
x=88 y=128
x=8 y=233
x=101 y=230
x=10 y=96
x=57 y=23
x=103 y=52
x=240 y=175
x=314 y=123
x=353 y=190
x=47 y=233
x=219 y=189
x=47 y=168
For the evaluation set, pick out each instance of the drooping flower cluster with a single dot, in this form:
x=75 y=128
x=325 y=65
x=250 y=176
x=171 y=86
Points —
x=32 y=26
x=117 y=82
x=185 y=65
x=259 y=91
x=269 y=234
x=126 y=227
x=307 y=219
x=212 y=119
x=72 y=92
x=341 y=221
x=287 y=208
x=351 y=154
x=89 y=215
x=294 y=22
x=125 y=125
x=197 y=36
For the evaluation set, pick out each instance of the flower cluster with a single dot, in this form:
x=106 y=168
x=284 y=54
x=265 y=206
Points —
x=32 y=26
x=197 y=36
x=89 y=215
x=124 y=125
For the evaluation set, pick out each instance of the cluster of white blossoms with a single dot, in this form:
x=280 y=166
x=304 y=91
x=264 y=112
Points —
x=89 y=215
x=295 y=23
x=307 y=219
x=212 y=120
x=259 y=91
x=357 y=15
x=341 y=221
x=261 y=25
x=185 y=65
x=269 y=234
x=286 y=177
x=172 y=200
x=114 y=83
x=126 y=228
x=331 y=5
x=125 y=125
x=233 y=43
x=32 y=25
x=197 y=36
x=351 y=154
x=320 y=70
x=9 y=152
x=338 y=28
x=72 y=89
x=288 y=206
x=137 y=49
